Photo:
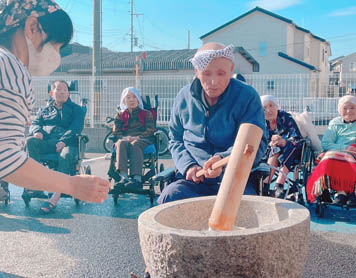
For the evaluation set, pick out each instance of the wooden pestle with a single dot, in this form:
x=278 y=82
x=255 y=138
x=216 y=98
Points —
x=235 y=178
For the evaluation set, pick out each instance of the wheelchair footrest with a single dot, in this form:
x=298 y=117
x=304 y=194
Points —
x=164 y=175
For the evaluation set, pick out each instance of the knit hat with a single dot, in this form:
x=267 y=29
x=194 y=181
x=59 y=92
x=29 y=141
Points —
x=14 y=12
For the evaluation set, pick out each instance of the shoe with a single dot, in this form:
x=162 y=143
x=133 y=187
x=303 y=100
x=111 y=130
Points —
x=340 y=200
x=325 y=196
x=293 y=188
x=34 y=194
x=133 y=186
x=114 y=174
x=291 y=198
x=47 y=208
x=351 y=200
x=279 y=191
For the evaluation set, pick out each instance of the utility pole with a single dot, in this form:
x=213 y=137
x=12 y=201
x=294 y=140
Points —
x=96 y=62
x=188 y=39
x=133 y=39
x=132 y=29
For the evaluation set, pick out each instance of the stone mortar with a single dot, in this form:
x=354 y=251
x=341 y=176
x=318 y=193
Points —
x=270 y=240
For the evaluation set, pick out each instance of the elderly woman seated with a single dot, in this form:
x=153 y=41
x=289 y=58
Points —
x=284 y=146
x=337 y=167
x=134 y=128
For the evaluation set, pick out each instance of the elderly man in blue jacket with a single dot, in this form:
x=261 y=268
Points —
x=55 y=130
x=205 y=119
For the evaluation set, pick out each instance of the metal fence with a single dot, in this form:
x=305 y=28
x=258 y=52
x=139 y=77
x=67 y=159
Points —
x=294 y=92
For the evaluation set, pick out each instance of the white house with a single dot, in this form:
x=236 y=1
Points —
x=278 y=45
x=344 y=73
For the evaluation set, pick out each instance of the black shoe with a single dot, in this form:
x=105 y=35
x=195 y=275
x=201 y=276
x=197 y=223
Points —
x=325 y=196
x=352 y=200
x=293 y=188
x=133 y=186
x=34 y=194
x=340 y=200
x=279 y=191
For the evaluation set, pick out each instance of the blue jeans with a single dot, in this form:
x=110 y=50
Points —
x=184 y=189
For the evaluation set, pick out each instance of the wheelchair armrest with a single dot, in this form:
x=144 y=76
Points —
x=83 y=138
x=112 y=138
x=164 y=175
x=261 y=171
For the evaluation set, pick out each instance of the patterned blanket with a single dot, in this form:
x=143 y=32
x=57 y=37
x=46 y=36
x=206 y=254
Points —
x=336 y=170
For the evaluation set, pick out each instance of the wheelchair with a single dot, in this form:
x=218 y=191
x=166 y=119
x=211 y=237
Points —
x=150 y=167
x=326 y=197
x=51 y=160
x=4 y=192
x=300 y=172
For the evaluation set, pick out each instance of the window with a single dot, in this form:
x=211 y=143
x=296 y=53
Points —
x=352 y=66
x=270 y=85
x=263 y=49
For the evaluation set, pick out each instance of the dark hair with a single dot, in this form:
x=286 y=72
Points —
x=58 y=26
x=6 y=37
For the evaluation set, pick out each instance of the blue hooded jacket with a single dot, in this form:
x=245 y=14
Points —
x=198 y=132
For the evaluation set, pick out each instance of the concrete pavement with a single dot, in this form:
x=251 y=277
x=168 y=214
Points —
x=101 y=240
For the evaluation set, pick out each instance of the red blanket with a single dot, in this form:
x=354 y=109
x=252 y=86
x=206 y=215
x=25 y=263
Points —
x=336 y=170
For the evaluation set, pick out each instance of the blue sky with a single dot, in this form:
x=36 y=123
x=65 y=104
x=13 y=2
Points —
x=164 y=24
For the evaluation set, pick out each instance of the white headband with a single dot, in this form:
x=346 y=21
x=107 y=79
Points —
x=203 y=58
x=124 y=93
x=268 y=98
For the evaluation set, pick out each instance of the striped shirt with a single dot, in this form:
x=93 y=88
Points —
x=16 y=101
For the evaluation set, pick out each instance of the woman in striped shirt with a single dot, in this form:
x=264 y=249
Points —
x=31 y=35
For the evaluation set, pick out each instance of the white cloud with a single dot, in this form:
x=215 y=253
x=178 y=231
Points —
x=274 y=5
x=344 y=12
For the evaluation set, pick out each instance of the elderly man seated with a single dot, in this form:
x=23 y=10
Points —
x=55 y=131
x=206 y=117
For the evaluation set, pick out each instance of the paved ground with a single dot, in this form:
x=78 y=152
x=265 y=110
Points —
x=102 y=240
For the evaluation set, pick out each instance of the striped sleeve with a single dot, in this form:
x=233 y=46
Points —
x=16 y=101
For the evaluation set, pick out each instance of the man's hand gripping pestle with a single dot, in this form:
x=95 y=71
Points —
x=235 y=178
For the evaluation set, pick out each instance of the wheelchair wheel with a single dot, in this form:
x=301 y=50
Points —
x=115 y=198
x=163 y=140
x=107 y=143
x=27 y=201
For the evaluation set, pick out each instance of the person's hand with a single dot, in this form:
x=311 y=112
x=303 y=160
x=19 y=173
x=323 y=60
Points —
x=89 y=188
x=191 y=174
x=127 y=138
x=351 y=148
x=59 y=146
x=208 y=171
x=134 y=139
x=38 y=135
x=277 y=140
